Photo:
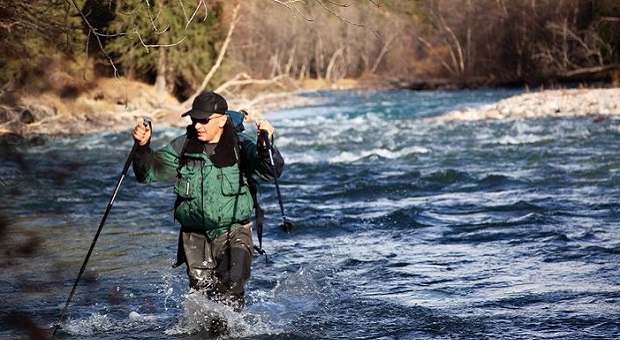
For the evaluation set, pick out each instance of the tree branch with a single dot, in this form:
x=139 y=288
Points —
x=220 y=57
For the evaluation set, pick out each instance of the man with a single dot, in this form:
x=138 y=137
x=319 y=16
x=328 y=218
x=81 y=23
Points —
x=213 y=166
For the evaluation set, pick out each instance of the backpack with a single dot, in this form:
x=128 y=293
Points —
x=237 y=118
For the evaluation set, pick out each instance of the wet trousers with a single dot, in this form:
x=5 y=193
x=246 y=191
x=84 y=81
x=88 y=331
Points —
x=220 y=268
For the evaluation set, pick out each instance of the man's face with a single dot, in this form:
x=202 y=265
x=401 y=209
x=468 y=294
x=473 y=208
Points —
x=210 y=129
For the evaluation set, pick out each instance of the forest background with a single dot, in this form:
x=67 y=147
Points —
x=75 y=66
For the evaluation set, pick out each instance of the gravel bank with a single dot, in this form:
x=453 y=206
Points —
x=548 y=103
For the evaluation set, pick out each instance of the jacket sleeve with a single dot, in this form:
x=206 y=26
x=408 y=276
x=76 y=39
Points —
x=258 y=161
x=150 y=166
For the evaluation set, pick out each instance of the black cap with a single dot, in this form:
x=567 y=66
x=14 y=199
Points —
x=206 y=104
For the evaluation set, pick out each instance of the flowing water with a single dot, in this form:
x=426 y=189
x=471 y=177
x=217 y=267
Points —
x=404 y=228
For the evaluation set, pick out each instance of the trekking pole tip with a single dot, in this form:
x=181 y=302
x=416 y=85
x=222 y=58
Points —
x=286 y=225
x=55 y=328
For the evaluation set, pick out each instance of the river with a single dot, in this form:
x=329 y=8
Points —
x=403 y=228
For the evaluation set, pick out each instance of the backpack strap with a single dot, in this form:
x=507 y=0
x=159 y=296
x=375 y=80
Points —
x=259 y=213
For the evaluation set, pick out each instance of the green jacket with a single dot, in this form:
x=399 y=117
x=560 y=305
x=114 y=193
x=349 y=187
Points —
x=213 y=192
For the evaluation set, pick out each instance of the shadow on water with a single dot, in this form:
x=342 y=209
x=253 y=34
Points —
x=34 y=215
x=19 y=246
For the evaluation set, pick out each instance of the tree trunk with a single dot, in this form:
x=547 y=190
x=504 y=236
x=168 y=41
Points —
x=160 y=78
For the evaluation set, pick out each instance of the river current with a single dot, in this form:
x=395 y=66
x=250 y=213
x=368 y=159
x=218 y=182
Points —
x=404 y=227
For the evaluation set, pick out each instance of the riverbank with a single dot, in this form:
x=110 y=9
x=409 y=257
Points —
x=544 y=104
x=116 y=105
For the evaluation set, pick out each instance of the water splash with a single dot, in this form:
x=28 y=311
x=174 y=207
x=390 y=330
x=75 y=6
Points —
x=201 y=315
x=95 y=324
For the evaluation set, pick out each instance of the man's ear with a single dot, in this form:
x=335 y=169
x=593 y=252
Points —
x=223 y=121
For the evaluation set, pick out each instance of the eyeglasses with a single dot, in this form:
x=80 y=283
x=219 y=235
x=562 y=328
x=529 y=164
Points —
x=204 y=121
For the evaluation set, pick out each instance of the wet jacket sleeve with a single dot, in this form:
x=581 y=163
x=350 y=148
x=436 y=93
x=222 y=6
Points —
x=150 y=166
x=258 y=161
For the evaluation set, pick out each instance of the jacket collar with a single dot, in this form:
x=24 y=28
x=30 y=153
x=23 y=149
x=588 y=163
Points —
x=224 y=154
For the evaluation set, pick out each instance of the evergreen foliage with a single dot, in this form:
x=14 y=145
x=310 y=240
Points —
x=170 y=38
x=31 y=34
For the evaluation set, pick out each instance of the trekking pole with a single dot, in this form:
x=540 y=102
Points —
x=147 y=122
x=286 y=224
